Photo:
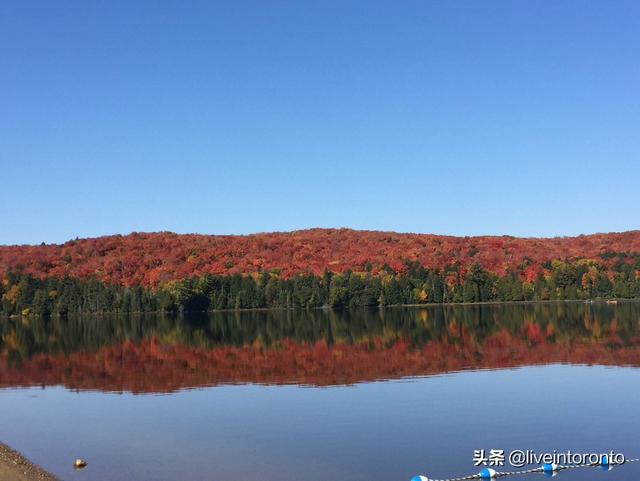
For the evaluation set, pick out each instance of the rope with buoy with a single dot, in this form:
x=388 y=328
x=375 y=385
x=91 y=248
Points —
x=547 y=469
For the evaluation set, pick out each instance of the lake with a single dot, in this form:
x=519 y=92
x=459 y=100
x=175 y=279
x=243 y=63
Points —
x=374 y=395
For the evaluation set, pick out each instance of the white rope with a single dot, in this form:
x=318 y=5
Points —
x=540 y=469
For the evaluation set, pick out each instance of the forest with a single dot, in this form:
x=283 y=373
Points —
x=153 y=259
x=23 y=294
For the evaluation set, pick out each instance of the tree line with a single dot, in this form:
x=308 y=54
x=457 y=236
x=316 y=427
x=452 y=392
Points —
x=24 y=294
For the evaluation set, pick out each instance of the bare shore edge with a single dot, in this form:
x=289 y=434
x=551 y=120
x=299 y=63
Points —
x=15 y=467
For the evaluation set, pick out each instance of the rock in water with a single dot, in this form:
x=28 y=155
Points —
x=79 y=464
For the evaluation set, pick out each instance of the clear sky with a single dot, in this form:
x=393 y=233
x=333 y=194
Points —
x=452 y=117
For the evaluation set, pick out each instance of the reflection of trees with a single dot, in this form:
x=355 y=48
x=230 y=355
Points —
x=163 y=353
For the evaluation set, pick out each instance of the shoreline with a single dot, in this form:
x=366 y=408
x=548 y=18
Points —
x=15 y=467
x=595 y=300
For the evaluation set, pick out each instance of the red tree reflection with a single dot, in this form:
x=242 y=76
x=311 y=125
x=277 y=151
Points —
x=153 y=367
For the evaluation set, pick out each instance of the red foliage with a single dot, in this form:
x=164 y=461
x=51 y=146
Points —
x=150 y=259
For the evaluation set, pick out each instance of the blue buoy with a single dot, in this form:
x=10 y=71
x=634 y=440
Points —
x=549 y=469
x=419 y=478
x=487 y=473
x=604 y=464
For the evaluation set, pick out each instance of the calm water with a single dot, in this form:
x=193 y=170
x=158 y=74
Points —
x=366 y=395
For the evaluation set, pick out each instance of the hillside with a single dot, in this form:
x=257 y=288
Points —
x=154 y=258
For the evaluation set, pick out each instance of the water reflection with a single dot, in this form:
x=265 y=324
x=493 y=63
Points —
x=163 y=353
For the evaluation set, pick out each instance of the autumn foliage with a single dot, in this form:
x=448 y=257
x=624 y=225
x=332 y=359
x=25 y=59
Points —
x=154 y=258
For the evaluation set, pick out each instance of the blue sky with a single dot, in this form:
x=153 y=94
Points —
x=452 y=117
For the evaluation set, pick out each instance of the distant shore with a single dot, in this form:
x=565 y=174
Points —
x=596 y=300
x=15 y=467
